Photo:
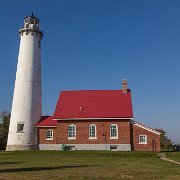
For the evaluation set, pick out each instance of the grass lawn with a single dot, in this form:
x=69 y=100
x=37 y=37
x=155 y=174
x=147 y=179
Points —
x=174 y=156
x=85 y=165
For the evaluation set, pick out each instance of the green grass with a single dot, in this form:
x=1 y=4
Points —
x=85 y=165
x=174 y=156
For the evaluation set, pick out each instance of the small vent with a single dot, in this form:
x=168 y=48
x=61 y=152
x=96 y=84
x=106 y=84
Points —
x=113 y=148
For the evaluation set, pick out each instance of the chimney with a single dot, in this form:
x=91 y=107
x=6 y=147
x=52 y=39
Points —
x=124 y=86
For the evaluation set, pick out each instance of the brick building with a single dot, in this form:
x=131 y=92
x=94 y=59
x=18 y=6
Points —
x=96 y=120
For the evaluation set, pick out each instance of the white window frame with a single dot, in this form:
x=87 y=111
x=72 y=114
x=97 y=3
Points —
x=49 y=134
x=145 y=138
x=18 y=127
x=72 y=125
x=114 y=137
x=92 y=125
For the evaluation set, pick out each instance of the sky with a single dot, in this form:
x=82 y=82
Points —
x=94 y=44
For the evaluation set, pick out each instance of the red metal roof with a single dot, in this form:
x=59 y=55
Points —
x=94 y=104
x=46 y=121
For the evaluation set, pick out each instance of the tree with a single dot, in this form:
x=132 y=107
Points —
x=4 y=127
x=165 y=142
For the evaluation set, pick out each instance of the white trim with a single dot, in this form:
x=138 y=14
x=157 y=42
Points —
x=51 y=133
x=145 y=139
x=95 y=131
x=74 y=131
x=46 y=126
x=91 y=138
x=114 y=137
x=146 y=127
x=71 y=138
x=89 y=118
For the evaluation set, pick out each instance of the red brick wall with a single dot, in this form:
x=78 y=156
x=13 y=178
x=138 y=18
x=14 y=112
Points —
x=150 y=146
x=42 y=135
x=126 y=134
x=82 y=132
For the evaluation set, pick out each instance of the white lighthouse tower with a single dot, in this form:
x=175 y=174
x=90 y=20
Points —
x=27 y=101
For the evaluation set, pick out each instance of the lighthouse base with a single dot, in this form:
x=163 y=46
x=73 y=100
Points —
x=21 y=147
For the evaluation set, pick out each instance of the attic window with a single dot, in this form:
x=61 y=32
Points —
x=20 y=127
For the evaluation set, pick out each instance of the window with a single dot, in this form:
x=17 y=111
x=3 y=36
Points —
x=92 y=131
x=142 y=139
x=72 y=131
x=49 y=134
x=113 y=131
x=26 y=25
x=20 y=127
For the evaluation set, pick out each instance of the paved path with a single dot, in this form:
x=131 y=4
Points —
x=163 y=157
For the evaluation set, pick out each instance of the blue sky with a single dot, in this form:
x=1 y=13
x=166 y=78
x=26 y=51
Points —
x=94 y=44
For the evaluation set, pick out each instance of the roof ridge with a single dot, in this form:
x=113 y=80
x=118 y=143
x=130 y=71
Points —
x=92 y=90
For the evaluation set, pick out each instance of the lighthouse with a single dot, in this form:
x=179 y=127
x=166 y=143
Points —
x=27 y=99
